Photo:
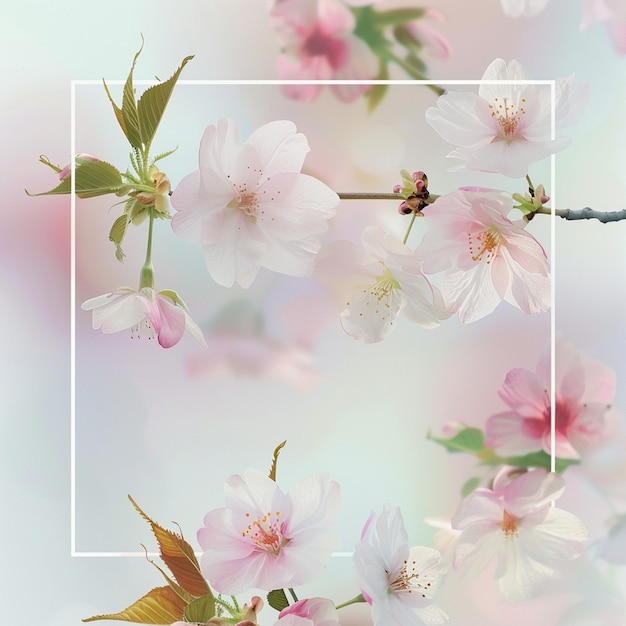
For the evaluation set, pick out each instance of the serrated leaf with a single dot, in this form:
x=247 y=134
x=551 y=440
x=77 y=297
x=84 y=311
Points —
x=279 y=447
x=159 y=606
x=200 y=610
x=277 y=599
x=153 y=102
x=97 y=178
x=179 y=556
x=466 y=440
x=469 y=486
x=65 y=186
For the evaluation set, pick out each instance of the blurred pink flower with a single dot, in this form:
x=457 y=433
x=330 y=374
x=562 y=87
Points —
x=515 y=524
x=236 y=354
x=613 y=13
x=163 y=313
x=527 y=8
x=584 y=390
x=376 y=283
x=266 y=539
x=317 y=41
x=398 y=581
x=506 y=126
x=433 y=43
x=311 y=612
x=486 y=257
x=249 y=205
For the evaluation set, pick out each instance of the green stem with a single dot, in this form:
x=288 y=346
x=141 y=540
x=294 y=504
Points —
x=411 y=71
x=531 y=187
x=293 y=594
x=408 y=230
x=147 y=271
x=354 y=600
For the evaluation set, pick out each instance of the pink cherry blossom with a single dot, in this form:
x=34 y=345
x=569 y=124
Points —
x=268 y=540
x=162 y=313
x=398 y=581
x=317 y=42
x=486 y=257
x=584 y=390
x=249 y=205
x=311 y=612
x=506 y=126
x=516 y=525
x=526 y=8
x=376 y=283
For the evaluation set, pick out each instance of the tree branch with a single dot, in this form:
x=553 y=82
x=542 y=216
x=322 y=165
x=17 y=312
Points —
x=586 y=214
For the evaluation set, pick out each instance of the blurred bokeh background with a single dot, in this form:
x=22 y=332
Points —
x=168 y=426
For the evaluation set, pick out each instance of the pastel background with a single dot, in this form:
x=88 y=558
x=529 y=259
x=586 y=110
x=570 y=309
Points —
x=144 y=426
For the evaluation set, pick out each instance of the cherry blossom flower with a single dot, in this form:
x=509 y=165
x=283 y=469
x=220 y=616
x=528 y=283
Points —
x=376 y=283
x=398 y=581
x=249 y=205
x=506 y=126
x=266 y=539
x=311 y=612
x=584 y=390
x=162 y=313
x=486 y=257
x=526 y=8
x=515 y=524
x=317 y=41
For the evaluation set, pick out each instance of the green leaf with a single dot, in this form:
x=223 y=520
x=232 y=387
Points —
x=153 y=102
x=466 y=440
x=200 y=610
x=65 y=186
x=159 y=606
x=535 y=459
x=97 y=178
x=116 y=235
x=397 y=17
x=469 y=486
x=279 y=447
x=277 y=599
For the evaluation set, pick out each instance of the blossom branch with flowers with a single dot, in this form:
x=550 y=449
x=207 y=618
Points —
x=250 y=206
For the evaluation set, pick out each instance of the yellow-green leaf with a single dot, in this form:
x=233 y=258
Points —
x=65 y=186
x=279 y=447
x=97 y=178
x=153 y=102
x=179 y=556
x=116 y=235
x=159 y=606
x=200 y=610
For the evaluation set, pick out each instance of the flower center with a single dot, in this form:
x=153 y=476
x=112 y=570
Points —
x=267 y=533
x=319 y=44
x=507 y=116
x=408 y=580
x=484 y=244
x=536 y=427
x=508 y=524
